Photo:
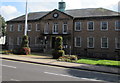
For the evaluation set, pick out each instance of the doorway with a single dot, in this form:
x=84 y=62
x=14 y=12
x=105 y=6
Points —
x=53 y=42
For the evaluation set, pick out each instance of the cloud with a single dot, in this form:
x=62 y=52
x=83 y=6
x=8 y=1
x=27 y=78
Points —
x=41 y=6
x=9 y=12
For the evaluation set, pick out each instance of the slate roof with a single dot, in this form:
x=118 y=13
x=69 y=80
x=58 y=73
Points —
x=75 y=13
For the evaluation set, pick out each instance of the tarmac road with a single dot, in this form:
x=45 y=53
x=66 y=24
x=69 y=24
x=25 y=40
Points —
x=22 y=71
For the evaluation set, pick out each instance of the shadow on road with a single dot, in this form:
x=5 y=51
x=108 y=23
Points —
x=94 y=75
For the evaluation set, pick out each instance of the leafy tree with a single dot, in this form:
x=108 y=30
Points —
x=2 y=26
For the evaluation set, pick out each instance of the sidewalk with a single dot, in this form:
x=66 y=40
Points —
x=47 y=60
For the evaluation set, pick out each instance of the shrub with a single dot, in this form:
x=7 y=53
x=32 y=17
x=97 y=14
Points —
x=57 y=53
x=68 y=58
x=24 y=46
x=25 y=50
x=58 y=48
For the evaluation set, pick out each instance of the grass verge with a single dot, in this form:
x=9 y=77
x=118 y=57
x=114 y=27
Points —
x=99 y=62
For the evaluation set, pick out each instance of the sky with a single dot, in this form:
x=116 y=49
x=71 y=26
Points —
x=10 y=9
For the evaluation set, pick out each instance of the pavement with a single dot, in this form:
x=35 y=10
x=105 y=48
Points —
x=46 y=59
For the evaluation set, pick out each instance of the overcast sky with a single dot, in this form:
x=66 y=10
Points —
x=10 y=9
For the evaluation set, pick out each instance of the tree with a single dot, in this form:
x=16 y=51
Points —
x=2 y=26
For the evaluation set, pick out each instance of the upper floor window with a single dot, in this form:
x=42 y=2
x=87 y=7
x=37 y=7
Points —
x=77 y=26
x=90 y=26
x=104 y=42
x=37 y=27
x=29 y=27
x=19 y=27
x=11 y=28
x=46 y=28
x=90 y=42
x=55 y=28
x=65 y=28
x=117 y=42
x=104 y=25
x=77 y=41
x=117 y=25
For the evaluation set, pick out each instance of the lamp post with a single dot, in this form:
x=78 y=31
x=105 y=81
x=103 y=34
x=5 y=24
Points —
x=26 y=17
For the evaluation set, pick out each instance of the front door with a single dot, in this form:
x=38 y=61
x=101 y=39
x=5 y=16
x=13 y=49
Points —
x=53 y=42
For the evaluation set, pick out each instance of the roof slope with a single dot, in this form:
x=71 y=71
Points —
x=91 y=12
x=88 y=12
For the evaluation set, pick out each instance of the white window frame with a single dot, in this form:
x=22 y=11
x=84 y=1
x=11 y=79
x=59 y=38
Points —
x=19 y=41
x=76 y=41
x=19 y=26
x=88 y=40
x=88 y=26
x=11 y=41
x=46 y=28
x=116 y=26
x=11 y=26
x=76 y=26
x=116 y=42
x=28 y=26
x=55 y=24
x=64 y=28
x=37 y=27
x=101 y=26
x=36 y=41
x=102 y=42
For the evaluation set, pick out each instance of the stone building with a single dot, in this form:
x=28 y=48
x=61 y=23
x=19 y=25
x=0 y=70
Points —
x=87 y=32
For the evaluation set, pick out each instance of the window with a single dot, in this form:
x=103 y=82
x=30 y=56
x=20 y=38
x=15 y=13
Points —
x=10 y=41
x=104 y=25
x=11 y=28
x=55 y=28
x=77 y=41
x=19 y=27
x=117 y=25
x=65 y=28
x=37 y=27
x=37 y=40
x=29 y=27
x=46 y=29
x=117 y=43
x=90 y=42
x=29 y=39
x=91 y=26
x=104 y=42
x=77 y=26
x=19 y=40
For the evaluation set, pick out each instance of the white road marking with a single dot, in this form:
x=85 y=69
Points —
x=37 y=64
x=71 y=76
x=14 y=80
x=61 y=75
x=9 y=66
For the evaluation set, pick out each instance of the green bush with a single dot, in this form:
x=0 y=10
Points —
x=58 y=48
x=25 y=41
x=24 y=46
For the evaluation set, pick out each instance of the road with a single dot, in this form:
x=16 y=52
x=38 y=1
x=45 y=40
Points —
x=21 y=71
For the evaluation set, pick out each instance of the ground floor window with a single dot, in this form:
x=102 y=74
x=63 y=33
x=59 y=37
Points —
x=37 y=40
x=90 y=42
x=117 y=43
x=77 y=41
x=104 y=42
x=19 y=40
